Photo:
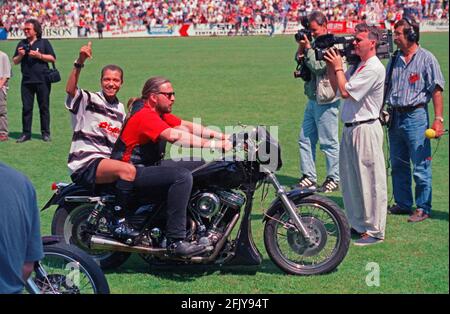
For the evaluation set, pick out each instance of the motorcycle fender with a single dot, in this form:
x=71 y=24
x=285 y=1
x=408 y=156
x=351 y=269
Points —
x=293 y=195
x=49 y=240
x=70 y=190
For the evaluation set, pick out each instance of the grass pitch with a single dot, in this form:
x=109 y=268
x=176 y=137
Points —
x=225 y=81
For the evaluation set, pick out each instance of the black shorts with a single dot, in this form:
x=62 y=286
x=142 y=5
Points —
x=86 y=175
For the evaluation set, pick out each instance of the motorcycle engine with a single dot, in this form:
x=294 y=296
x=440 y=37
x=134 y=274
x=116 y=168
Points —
x=208 y=205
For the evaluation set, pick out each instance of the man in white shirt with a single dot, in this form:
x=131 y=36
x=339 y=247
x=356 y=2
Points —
x=362 y=167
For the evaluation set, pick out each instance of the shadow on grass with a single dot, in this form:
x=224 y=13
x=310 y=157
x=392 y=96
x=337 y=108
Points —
x=439 y=215
x=16 y=135
x=187 y=273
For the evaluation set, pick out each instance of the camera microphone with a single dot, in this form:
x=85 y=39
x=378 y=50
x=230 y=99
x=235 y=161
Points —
x=431 y=133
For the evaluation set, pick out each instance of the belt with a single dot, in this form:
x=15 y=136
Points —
x=403 y=109
x=350 y=124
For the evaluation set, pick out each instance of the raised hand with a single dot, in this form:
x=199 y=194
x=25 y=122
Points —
x=85 y=52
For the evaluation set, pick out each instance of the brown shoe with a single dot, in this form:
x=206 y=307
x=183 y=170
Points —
x=3 y=137
x=418 y=215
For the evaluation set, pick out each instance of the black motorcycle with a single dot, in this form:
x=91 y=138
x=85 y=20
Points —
x=65 y=269
x=304 y=234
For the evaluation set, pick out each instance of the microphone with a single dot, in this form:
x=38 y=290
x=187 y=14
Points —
x=431 y=133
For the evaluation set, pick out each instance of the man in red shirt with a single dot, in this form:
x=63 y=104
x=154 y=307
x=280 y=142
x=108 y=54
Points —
x=142 y=142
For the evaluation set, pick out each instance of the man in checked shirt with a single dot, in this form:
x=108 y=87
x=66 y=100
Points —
x=416 y=79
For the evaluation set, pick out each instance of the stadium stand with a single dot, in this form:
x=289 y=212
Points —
x=127 y=14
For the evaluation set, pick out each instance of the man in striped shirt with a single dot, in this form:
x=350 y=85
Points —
x=96 y=120
x=416 y=79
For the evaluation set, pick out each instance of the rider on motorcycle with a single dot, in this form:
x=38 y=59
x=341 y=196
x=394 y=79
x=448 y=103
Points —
x=142 y=142
x=96 y=120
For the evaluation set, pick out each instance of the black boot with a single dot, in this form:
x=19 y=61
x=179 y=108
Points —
x=184 y=248
x=125 y=196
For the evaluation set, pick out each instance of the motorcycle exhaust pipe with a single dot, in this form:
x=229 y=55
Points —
x=101 y=243
x=219 y=245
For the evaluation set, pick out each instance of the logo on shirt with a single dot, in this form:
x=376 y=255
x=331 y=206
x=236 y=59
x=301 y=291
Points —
x=414 y=77
x=109 y=128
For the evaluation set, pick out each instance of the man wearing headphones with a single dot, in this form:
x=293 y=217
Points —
x=416 y=79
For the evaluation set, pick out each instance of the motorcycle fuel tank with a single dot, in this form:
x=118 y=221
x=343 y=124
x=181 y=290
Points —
x=226 y=174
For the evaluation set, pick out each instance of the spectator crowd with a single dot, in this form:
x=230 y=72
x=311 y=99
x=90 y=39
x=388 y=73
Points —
x=128 y=14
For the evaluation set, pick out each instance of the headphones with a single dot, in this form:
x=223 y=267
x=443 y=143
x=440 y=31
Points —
x=410 y=33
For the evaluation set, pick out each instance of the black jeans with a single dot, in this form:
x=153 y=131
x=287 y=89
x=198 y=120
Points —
x=42 y=92
x=171 y=181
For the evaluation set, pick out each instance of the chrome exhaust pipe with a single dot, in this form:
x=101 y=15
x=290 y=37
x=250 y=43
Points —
x=219 y=245
x=101 y=243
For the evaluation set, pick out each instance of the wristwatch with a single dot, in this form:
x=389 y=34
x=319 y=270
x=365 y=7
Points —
x=439 y=118
x=78 y=65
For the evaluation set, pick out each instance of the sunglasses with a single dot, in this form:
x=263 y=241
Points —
x=168 y=95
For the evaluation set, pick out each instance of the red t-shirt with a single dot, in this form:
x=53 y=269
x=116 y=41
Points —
x=145 y=126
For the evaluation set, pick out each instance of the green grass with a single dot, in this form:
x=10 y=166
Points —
x=225 y=81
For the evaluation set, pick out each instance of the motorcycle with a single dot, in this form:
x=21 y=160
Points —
x=304 y=233
x=65 y=270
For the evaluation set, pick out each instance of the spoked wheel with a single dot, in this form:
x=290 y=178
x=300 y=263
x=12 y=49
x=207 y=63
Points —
x=67 y=270
x=329 y=237
x=73 y=227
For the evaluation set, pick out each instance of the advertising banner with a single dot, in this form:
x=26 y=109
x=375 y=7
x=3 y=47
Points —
x=434 y=26
x=219 y=29
x=48 y=32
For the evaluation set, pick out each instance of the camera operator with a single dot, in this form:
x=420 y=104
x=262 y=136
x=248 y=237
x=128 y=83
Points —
x=416 y=79
x=362 y=167
x=33 y=54
x=320 y=120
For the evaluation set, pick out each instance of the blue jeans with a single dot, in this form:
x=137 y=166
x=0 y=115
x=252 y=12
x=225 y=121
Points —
x=408 y=144
x=320 y=123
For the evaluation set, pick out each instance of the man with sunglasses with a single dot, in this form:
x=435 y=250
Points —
x=149 y=126
x=34 y=53
x=362 y=167
x=416 y=79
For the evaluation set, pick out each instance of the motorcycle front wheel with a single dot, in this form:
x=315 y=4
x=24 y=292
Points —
x=66 y=270
x=329 y=232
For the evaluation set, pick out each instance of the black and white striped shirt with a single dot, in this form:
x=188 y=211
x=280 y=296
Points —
x=96 y=126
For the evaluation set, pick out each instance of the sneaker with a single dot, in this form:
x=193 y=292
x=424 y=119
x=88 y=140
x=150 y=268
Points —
x=306 y=183
x=397 y=210
x=329 y=186
x=124 y=231
x=185 y=249
x=367 y=240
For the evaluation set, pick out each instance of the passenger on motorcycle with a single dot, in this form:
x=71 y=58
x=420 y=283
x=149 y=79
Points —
x=96 y=121
x=142 y=142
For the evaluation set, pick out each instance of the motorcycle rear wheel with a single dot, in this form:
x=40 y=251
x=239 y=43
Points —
x=329 y=231
x=70 y=223
x=67 y=270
